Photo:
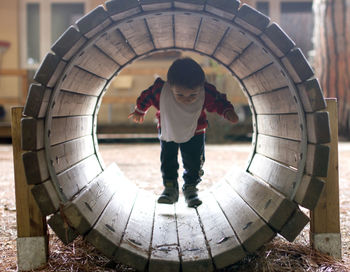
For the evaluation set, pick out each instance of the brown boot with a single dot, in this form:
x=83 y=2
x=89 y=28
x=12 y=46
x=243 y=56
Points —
x=170 y=194
x=191 y=196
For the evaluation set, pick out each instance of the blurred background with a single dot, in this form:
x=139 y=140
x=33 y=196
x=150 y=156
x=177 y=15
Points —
x=28 y=28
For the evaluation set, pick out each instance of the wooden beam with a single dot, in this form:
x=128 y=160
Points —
x=325 y=218
x=32 y=241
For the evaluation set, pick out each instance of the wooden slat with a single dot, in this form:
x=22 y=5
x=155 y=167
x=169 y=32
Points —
x=251 y=19
x=69 y=43
x=287 y=126
x=61 y=228
x=108 y=231
x=311 y=95
x=209 y=36
x=46 y=197
x=84 y=209
x=165 y=247
x=77 y=177
x=94 y=61
x=161 y=28
x=297 y=66
x=186 y=28
x=252 y=59
x=32 y=133
x=294 y=226
x=268 y=79
x=137 y=34
x=273 y=207
x=115 y=46
x=223 y=8
x=251 y=230
x=233 y=44
x=37 y=101
x=80 y=81
x=35 y=166
x=148 y=5
x=49 y=71
x=308 y=192
x=288 y=153
x=120 y=9
x=134 y=249
x=93 y=22
x=193 y=250
x=277 y=40
x=224 y=245
x=277 y=175
x=189 y=4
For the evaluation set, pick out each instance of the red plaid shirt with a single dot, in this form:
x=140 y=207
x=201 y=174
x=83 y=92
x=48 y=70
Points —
x=214 y=102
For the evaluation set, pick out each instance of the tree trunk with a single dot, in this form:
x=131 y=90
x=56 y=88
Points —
x=332 y=54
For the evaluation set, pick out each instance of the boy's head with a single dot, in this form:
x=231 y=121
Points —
x=186 y=78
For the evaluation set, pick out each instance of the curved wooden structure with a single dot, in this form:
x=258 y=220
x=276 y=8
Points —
x=240 y=213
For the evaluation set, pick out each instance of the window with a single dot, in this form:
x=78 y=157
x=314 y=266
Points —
x=42 y=23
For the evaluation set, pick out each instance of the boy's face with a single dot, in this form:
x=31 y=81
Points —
x=185 y=95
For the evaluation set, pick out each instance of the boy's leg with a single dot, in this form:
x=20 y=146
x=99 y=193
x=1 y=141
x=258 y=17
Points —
x=193 y=159
x=169 y=168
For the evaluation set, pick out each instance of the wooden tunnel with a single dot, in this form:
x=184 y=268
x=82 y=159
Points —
x=240 y=213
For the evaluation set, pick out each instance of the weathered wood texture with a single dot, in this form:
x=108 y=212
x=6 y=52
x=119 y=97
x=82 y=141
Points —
x=332 y=55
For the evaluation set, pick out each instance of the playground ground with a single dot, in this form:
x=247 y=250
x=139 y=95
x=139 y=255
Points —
x=140 y=163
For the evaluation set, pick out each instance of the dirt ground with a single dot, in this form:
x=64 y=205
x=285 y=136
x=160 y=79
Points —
x=140 y=163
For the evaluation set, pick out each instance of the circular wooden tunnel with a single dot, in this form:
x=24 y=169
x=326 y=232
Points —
x=240 y=213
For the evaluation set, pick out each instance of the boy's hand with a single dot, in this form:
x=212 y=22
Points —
x=231 y=116
x=137 y=117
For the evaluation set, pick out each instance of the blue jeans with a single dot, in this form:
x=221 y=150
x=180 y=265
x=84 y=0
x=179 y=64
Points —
x=192 y=153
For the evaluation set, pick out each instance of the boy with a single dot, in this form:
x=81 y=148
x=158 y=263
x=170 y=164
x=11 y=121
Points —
x=181 y=102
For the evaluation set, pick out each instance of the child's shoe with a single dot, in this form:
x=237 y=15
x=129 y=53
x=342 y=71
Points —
x=191 y=196
x=170 y=194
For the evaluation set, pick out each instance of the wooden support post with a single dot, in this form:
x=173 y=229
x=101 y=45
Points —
x=32 y=238
x=325 y=219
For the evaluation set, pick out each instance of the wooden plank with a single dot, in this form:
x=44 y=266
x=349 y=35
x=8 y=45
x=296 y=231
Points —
x=277 y=40
x=251 y=230
x=210 y=34
x=79 y=81
x=148 y=5
x=269 y=79
x=253 y=58
x=30 y=222
x=46 y=197
x=94 y=61
x=115 y=46
x=311 y=95
x=288 y=153
x=37 y=101
x=309 y=191
x=84 y=209
x=251 y=19
x=78 y=176
x=193 y=249
x=50 y=70
x=272 y=206
x=233 y=44
x=62 y=229
x=93 y=22
x=137 y=34
x=134 y=249
x=186 y=28
x=189 y=4
x=69 y=43
x=68 y=128
x=120 y=9
x=161 y=28
x=297 y=66
x=280 y=177
x=35 y=166
x=165 y=247
x=287 y=126
x=224 y=245
x=294 y=226
x=108 y=231
x=223 y=8
x=32 y=133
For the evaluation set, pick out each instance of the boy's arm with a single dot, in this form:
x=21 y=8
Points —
x=217 y=102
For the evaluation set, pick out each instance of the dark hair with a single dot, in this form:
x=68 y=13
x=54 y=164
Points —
x=186 y=72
